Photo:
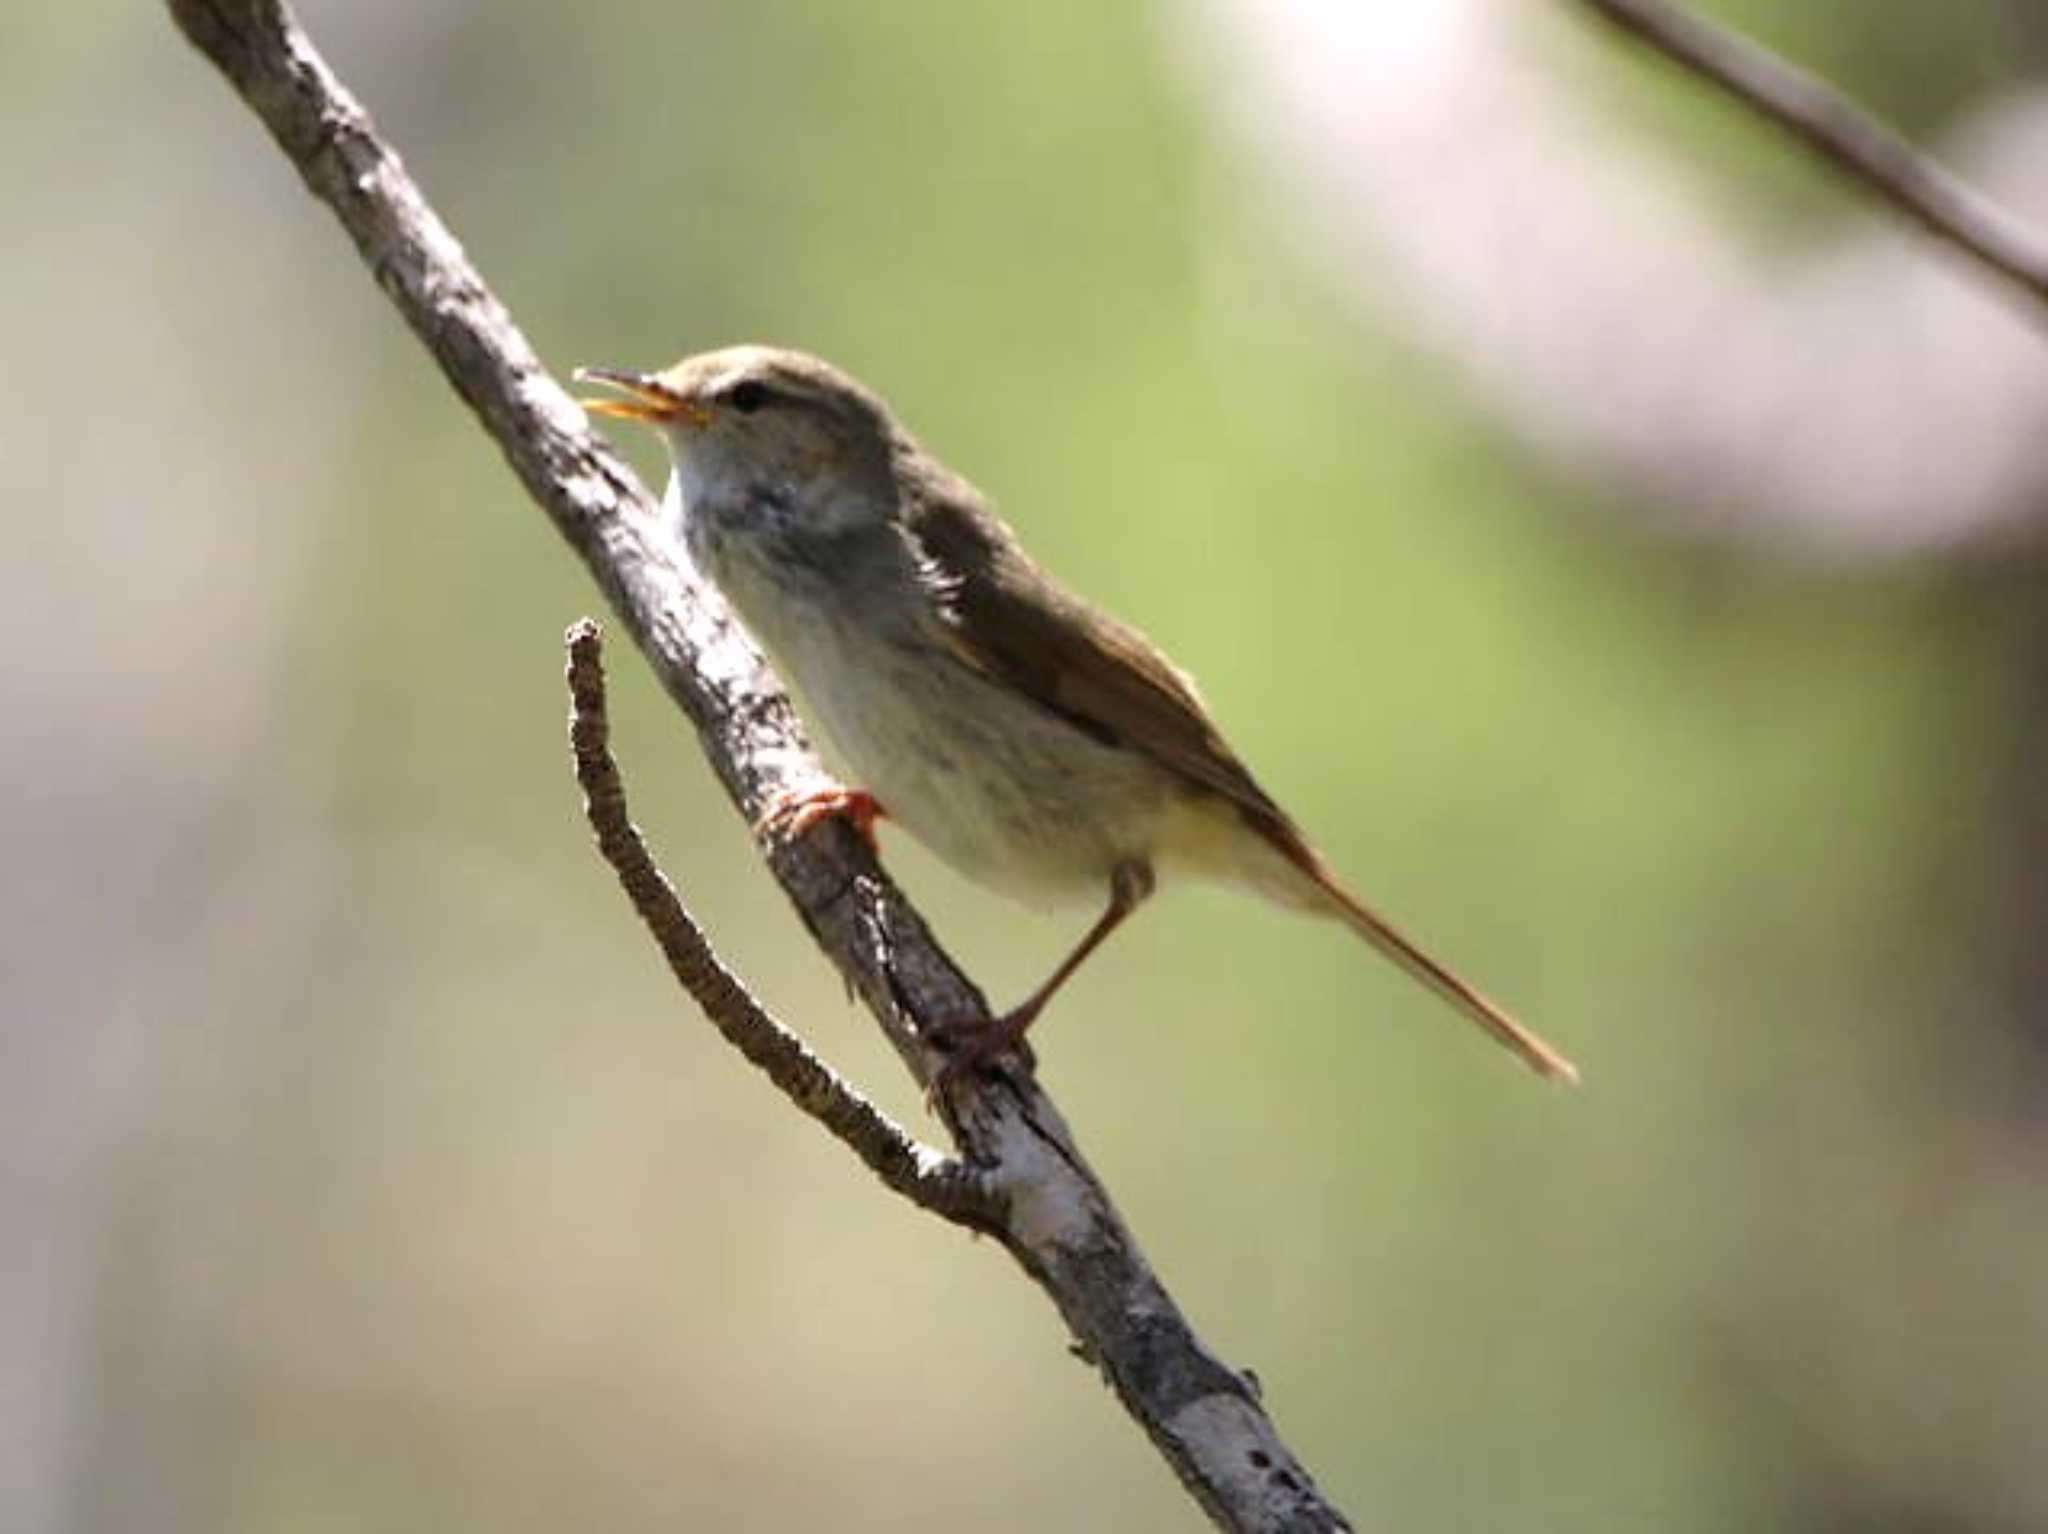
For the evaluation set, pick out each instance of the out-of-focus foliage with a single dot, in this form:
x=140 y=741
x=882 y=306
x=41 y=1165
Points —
x=364 y=1169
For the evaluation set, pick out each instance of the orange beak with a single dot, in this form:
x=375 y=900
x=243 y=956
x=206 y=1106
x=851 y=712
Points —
x=647 y=398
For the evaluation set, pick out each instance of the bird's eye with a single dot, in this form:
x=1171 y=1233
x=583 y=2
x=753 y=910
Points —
x=747 y=396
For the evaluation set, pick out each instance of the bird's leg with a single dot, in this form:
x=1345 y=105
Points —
x=975 y=1044
x=790 y=814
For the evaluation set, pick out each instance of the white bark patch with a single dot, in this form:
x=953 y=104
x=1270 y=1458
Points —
x=1229 y=1432
x=1049 y=1206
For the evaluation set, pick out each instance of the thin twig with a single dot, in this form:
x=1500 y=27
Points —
x=1056 y=1218
x=927 y=1177
x=1841 y=132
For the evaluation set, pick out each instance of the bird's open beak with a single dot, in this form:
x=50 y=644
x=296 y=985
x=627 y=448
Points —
x=647 y=398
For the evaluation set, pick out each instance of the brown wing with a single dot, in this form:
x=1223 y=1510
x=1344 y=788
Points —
x=1005 y=617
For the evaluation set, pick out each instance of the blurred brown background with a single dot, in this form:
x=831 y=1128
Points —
x=1614 y=541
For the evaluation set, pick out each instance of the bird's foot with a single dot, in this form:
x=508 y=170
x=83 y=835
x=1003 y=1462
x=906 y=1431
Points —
x=978 y=1043
x=789 y=815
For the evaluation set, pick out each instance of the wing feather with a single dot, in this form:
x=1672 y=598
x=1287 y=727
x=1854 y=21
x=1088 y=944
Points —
x=1005 y=617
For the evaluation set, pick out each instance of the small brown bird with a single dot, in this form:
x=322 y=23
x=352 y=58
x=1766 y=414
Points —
x=1032 y=742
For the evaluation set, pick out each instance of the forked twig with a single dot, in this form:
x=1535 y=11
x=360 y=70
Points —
x=927 y=1177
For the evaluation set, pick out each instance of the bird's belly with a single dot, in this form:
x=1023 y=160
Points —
x=1001 y=789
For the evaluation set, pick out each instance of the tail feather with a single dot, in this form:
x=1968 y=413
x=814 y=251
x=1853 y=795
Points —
x=1280 y=863
x=1396 y=945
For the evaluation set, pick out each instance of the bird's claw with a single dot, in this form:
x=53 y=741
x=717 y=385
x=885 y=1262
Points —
x=790 y=814
x=975 y=1044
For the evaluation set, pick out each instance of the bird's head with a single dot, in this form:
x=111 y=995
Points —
x=759 y=433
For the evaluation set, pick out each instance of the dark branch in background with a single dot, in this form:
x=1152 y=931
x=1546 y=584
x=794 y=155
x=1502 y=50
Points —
x=1842 y=133
x=1030 y=1182
x=947 y=1187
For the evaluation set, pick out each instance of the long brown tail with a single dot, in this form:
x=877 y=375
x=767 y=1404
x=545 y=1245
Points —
x=1389 y=940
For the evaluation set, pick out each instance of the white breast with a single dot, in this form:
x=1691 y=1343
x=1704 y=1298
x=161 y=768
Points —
x=997 y=786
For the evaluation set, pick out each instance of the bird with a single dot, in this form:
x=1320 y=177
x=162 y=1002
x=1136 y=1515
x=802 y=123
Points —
x=1034 y=743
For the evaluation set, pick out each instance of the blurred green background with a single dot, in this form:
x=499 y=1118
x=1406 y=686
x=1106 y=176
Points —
x=365 y=1170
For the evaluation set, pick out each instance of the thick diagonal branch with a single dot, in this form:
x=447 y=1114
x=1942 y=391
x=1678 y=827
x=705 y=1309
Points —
x=1056 y=1219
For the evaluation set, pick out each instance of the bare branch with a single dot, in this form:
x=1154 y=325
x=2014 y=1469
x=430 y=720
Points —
x=928 y=1178
x=1842 y=133
x=1054 y=1216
